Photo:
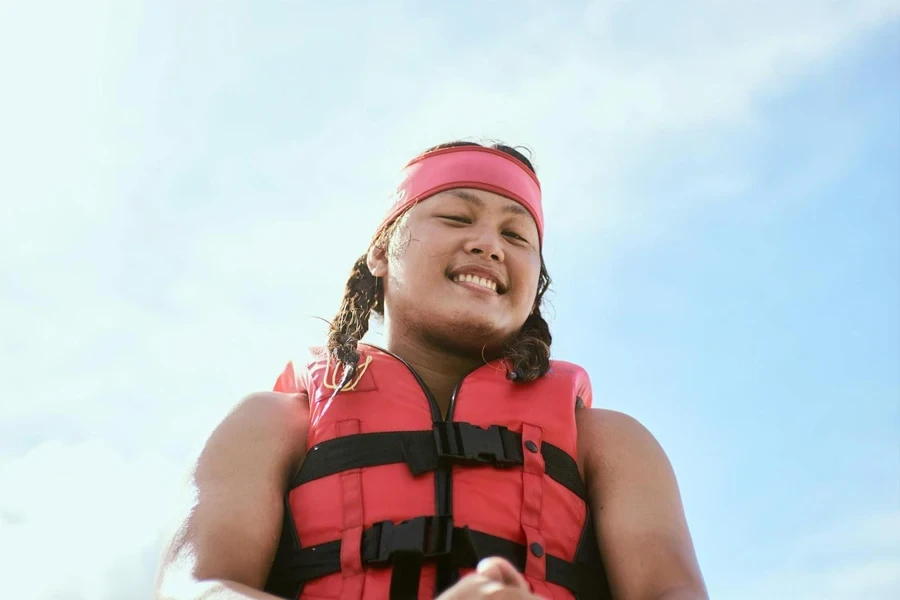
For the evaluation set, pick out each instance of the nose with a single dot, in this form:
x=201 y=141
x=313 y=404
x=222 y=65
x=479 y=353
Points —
x=485 y=243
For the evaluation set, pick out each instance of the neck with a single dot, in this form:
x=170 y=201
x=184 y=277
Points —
x=440 y=369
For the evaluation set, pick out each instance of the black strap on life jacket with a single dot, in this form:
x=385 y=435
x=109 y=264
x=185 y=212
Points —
x=448 y=443
x=406 y=546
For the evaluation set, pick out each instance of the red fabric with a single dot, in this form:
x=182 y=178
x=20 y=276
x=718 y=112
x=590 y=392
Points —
x=532 y=503
x=352 y=506
x=291 y=381
x=523 y=505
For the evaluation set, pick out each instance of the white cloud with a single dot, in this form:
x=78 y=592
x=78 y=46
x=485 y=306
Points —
x=858 y=558
x=74 y=518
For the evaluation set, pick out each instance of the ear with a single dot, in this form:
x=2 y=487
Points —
x=376 y=260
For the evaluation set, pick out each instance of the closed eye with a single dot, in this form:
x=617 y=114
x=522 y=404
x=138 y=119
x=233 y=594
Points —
x=456 y=219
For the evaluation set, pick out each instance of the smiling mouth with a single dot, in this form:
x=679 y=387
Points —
x=482 y=282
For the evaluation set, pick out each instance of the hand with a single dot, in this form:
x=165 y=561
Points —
x=494 y=578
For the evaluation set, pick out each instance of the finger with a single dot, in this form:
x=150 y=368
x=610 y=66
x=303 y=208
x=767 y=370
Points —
x=511 y=593
x=501 y=570
x=473 y=586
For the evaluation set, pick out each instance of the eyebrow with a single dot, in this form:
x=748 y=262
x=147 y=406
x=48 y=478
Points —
x=511 y=207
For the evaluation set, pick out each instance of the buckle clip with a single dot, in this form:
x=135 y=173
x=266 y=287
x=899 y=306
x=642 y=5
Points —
x=427 y=537
x=464 y=443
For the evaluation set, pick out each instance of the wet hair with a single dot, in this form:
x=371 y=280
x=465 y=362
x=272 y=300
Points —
x=528 y=352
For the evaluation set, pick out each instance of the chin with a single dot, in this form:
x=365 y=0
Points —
x=470 y=347
x=468 y=336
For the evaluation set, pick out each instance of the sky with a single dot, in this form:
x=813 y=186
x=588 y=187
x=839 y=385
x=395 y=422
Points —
x=185 y=186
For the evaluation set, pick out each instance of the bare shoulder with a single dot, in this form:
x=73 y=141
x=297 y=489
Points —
x=270 y=413
x=594 y=419
x=271 y=424
x=611 y=430
x=614 y=442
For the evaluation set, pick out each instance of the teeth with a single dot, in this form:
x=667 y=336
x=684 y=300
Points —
x=485 y=283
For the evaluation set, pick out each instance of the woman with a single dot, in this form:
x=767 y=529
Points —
x=395 y=472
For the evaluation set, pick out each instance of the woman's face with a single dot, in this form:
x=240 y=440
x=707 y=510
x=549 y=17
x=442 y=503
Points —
x=461 y=270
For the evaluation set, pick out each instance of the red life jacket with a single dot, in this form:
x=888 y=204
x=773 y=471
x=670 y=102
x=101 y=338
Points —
x=393 y=501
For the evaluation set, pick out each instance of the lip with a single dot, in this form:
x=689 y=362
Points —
x=481 y=271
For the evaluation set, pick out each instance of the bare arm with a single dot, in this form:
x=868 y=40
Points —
x=225 y=544
x=639 y=517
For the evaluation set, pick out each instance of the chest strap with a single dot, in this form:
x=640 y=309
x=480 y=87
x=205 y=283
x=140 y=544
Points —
x=405 y=546
x=448 y=443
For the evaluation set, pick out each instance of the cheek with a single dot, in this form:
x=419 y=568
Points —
x=531 y=272
x=410 y=270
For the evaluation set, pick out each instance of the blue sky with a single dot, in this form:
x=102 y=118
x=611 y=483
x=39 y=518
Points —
x=186 y=186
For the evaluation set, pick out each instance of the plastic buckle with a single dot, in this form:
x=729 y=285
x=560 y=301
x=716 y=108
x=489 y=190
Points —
x=428 y=537
x=464 y=443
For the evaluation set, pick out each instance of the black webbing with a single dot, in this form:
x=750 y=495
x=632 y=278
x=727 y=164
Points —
x=403 y=546
x=471 y=546
x=368 y=450
x=464 y=546
x=405 y=576
x=452 y=443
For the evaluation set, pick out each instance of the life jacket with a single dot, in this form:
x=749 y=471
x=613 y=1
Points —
x=394 y=501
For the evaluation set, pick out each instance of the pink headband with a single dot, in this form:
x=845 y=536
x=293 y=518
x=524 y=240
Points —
x=468 y=167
